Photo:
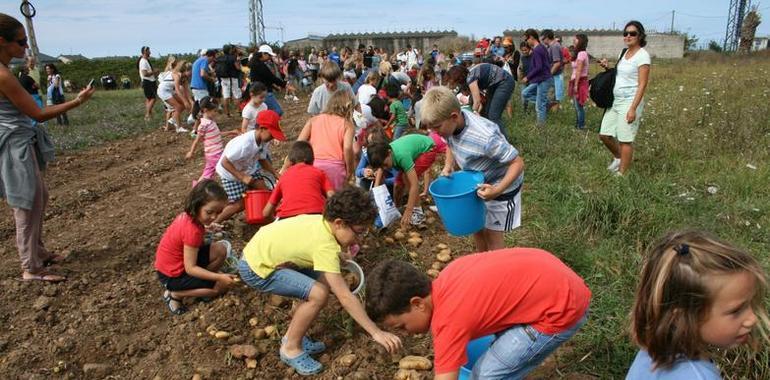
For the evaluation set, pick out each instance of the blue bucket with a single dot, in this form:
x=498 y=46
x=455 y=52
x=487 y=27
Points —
x=461 y=210
x=475 y=349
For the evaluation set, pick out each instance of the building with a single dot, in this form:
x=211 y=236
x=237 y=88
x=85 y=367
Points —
x=609 y=43
x=760 y=43
x=69 y=58
x=42 y=59
x=390 y=41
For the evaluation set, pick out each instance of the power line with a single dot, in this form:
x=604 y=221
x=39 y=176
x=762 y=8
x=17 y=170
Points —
x=699 y=16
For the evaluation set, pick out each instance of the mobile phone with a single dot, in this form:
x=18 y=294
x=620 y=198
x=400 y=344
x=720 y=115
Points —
x=91 y=83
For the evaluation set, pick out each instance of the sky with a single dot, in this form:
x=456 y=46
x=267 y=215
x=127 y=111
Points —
x=98 y=28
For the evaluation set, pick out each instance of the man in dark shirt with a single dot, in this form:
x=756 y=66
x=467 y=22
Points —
x=539 y=73
x=259 y=72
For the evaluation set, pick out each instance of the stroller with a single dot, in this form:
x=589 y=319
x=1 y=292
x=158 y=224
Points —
x=108 y=82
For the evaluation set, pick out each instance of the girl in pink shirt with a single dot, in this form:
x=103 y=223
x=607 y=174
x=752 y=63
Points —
x=209 y=133
x=578 y=83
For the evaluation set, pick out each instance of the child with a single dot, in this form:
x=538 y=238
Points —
x=695 y=291
x=411 y=155
x=399 y=120
x=477 y=144
x=367 y=91
x=302 y=188
x=186 y=265
x=256 y=104
x=331 y=75
x=526 y=297
x=309 y=269
x=331 y=135
x=209 y=133
x=365 y=175
x=245 y=158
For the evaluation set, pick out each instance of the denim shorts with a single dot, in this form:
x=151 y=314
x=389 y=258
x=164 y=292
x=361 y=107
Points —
x=283 y=282
x=519 y=350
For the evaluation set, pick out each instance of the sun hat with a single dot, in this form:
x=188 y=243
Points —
x=266 y=49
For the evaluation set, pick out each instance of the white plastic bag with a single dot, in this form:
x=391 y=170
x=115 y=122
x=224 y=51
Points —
x=386 y=209
x=507 y=68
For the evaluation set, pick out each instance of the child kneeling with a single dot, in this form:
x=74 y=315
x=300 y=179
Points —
x=186 y=266
x=308 y=268
x=526 y=297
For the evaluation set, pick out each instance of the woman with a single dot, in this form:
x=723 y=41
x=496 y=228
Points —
x=578 y=83
x=55 y=92
x=497 y=84
x=24 y=152
x=260 y=72
x=313 y=64
x=621 y=122
x=168 y=91
x=149 y=82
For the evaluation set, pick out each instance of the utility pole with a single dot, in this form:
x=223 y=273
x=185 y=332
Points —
x=673 y=12
x=28 y=10
x=256 y=22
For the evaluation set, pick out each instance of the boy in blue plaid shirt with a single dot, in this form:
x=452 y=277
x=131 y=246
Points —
x=476 y=144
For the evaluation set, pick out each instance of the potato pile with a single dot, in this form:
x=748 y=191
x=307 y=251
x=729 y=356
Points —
x=413 y=368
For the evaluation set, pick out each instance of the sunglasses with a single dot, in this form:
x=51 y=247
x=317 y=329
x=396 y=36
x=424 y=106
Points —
x=22 y=42
x=632 y=33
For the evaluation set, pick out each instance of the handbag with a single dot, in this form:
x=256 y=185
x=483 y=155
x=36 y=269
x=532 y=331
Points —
x=386 y=209
x=601 y=86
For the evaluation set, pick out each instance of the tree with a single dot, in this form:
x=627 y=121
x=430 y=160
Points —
x=749 y=30
x=690 y=41
x=715 y=46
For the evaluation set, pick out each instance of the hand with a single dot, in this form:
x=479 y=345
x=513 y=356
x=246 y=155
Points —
x=247 y=180
x=345 y=255
x=446 y=171
x=368 y=173
x=227 y=279
x=524 y=80
x=576 y=90
x=85 y=94
x=424 y=194
x=391 y=342
x=631 y=115
x=289 y=87
x=487 y=191
x=214 y=227
x=603 y=63
x=189 y=155
x=406 y=219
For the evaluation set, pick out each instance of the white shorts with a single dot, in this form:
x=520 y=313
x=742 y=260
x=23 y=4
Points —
x=230 y=85
x=165 y=93
x=614 y=121
x=504 y=216
x=199 y=94
x=166 y=105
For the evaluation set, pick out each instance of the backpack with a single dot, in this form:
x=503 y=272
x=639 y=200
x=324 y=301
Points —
x=601 y=86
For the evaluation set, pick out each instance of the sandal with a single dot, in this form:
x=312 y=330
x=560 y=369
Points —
x=310 y=346
x=176 y=311
x=303 y=364
x=43 y=276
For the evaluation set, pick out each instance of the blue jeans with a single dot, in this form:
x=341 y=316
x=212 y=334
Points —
x=398 y=131
x=518 y=350
x=580 y=115
x=541 y=100
x=272 y=103
x=283 y=282
x=528 y=94
x=558 y=87
x=497 y=100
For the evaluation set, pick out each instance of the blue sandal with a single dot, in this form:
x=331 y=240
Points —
x=303 y=364
x=308 y=345
x=176 y=311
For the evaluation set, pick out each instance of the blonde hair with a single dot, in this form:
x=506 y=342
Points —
x=673 y=298
x=385 y=68
x=437 y=105
x=340 y=104
x=180 y=68
x=330 y=71
x=373 y=77
x=170 y=63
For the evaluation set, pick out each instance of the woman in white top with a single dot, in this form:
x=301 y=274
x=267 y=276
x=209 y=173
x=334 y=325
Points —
x=149 y=82
x=169 y=82
x=621 y=122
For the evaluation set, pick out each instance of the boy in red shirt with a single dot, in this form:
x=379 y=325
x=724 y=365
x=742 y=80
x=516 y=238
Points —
x=303 y=188
x=527 y=297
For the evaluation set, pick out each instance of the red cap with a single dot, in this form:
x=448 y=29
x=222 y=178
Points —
x=271 y=120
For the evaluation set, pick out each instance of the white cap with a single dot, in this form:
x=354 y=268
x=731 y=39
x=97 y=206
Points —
x=203 y=51
x=266 y=49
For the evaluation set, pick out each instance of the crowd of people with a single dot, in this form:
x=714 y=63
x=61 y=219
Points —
x=384 y=120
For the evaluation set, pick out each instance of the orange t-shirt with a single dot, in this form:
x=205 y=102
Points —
x=327 y=134
x=486 y=293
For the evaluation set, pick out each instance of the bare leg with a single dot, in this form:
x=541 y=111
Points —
x=304 y=315
x=495 y=239
x=626 y=156
x=230 y=210
x=481 y=241
x=611 y=144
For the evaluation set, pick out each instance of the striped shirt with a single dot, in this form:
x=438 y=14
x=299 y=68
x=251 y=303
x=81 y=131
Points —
x=481 y=146
x=212 y=138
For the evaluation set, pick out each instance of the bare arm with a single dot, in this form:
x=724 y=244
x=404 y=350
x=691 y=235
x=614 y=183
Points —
x=347 y=148
x=449 y=163
x=414 y=196
x=191 y=266
x=644 y=79
x=304 y=135
x=198 y=138
x=244 y=125
x=241 y=176
x=19 y=97
x=447 y=376
x=476 y=94
x=487 y=191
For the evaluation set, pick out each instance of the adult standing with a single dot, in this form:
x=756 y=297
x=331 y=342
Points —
x=149 y=81
x=621 y=122
x=334 y=56
x=260 y=72
x=539 y=74
x=578 y=83
x=199 y=79
x=55 y=92
x=557 y=62
x=497 y=83
x=313 y=64
x=25 y=151
x=228 y=70
x=411 y=57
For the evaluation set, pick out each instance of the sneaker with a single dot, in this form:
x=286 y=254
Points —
x=295 y=98
x=182 y=130
x=418 y=216
x=172 y=122
x=614 y=165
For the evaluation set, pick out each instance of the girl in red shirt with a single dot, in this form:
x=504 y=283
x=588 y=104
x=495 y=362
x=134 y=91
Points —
x=186 y=266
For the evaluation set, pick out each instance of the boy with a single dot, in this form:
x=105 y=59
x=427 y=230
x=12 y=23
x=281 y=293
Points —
x=399 y=121
x=303 y=188
x=476 y=144
x=411 y=155
x=529 y=299
x=300 y=258
x=331 y=75
x=244 y=158
x=539 y=75
x=523 y=70
x=256 y=104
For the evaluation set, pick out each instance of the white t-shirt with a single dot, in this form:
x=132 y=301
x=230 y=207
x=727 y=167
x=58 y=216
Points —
x=364 y=118
x=627 y=79
x=244 y=153
x=365 y=93
x=250 y=112
x=144 y=64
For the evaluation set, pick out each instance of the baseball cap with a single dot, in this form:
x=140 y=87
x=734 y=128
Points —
x=266 y=49
x=271 y=120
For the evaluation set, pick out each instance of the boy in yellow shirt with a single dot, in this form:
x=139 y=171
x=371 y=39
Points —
x=300 y=258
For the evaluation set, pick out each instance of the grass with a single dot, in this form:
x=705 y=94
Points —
x=705 y=125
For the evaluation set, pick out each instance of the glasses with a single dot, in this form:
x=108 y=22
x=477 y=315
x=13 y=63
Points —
x=631 y=33
x=22 y=42
x=359 y=230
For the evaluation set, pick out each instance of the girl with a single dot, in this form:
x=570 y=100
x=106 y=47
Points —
x=578 y=83
x=257 y=93
x=169 y=82
x=186 y=265
x=55 y=92
x=331 y=135
x=695 y=291
x=208 y=131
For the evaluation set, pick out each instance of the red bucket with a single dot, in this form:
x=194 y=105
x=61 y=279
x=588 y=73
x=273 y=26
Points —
x=254 y=202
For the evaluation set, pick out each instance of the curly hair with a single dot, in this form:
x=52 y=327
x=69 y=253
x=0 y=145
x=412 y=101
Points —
x=352 y=205
x=390 y=287
x=204 y=192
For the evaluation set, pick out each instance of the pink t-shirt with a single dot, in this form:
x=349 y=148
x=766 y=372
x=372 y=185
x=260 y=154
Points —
x=212 y=137
x=440 y=144
x=327 y=135
x=581 y=57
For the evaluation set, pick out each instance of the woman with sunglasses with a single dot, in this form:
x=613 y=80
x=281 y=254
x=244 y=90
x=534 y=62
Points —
x=621 y=122
x=24 y=152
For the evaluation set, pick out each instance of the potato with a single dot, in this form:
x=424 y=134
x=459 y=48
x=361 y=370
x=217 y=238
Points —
x=441 y=246
x=197 y=376
x=251 y=363
x=413 y=254
x=433 y=273
x=399 y=235
x=415 y=241
x=415 y=362
x=389 y=240
x=443 y=257
x=437 y=265
x=260 y=334
x=199 y=334
x=276 y=300
x=271 y=330
x=347 y=360
x=446 y=251
x=253 y=322
x=407 y=374
x=430 y=220
x=221 y=335
x=415 y=234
